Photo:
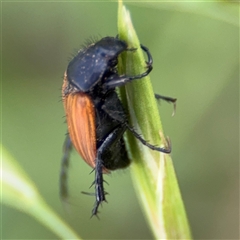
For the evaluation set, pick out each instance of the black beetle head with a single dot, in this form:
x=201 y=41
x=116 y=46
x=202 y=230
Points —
x=110 y=47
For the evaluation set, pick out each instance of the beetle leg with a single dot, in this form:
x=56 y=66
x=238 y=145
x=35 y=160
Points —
x=120 y=118
x=99 y=188
x=67 y=147
x=100 y=193
x=153 y=147
x=167 y=99
x=116 y=81
x=146 y=50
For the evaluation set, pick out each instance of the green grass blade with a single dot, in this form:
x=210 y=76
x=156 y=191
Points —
x=152 y=172
x=19 y=192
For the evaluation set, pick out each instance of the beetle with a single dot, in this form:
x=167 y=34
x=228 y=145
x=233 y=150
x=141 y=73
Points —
x=95 y=116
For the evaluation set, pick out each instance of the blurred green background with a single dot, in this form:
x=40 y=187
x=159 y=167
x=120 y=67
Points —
x=195 y=47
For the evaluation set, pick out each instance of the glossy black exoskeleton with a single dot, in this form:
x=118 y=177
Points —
x=95 y=115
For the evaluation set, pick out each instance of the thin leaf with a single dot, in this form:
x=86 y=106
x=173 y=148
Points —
x=152 y=172
x=19 y=192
